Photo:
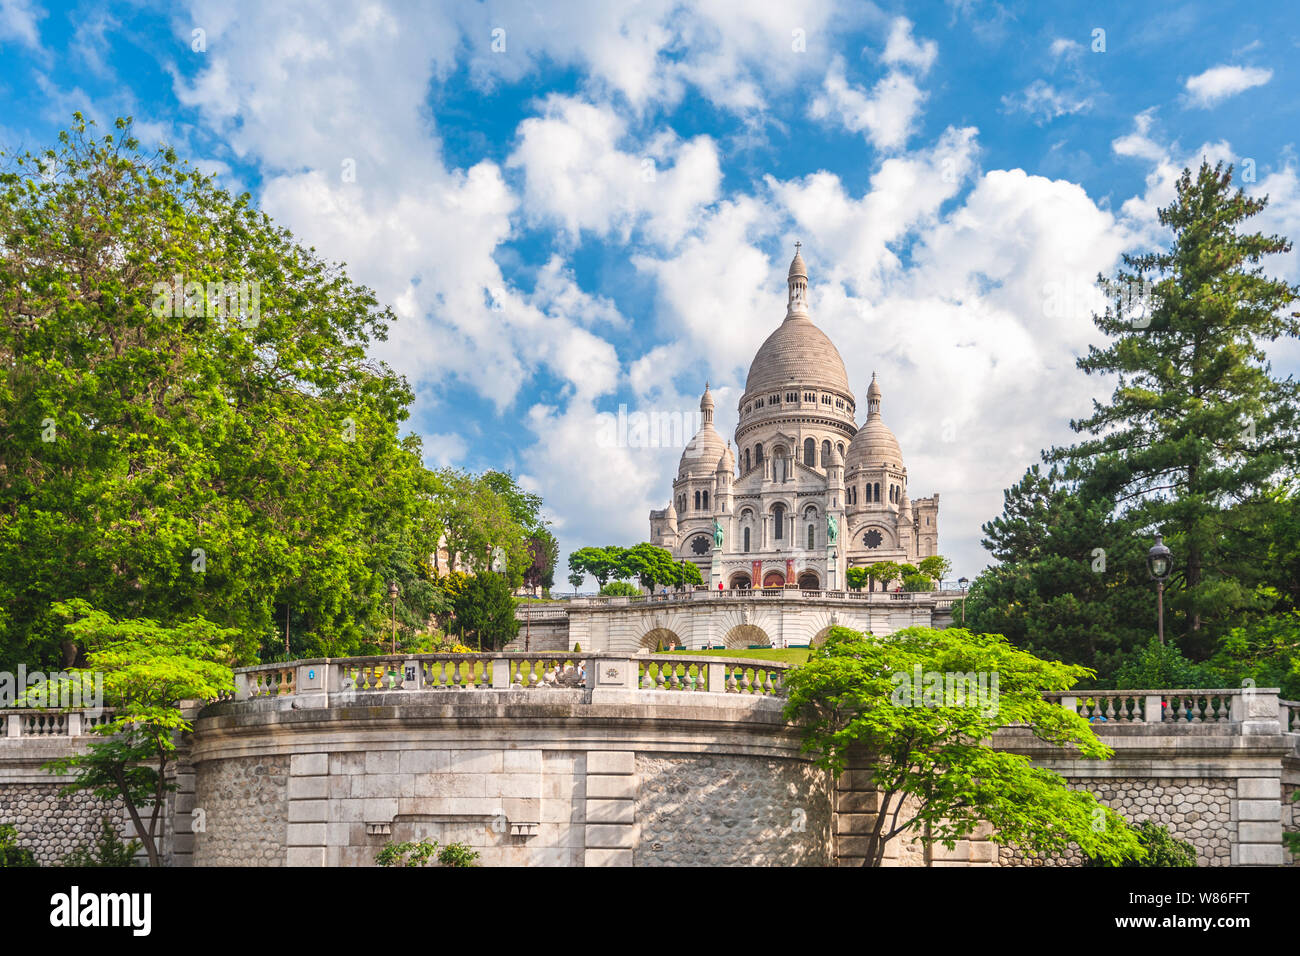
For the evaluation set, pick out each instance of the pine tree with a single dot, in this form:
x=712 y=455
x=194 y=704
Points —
x=1198 y=430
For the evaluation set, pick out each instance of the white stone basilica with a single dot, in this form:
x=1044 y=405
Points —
x=815 y=494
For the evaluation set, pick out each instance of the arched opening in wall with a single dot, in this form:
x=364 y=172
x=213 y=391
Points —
x=747 y=635
x=661 y=636
x=758 y=454
x=819 y=638
x=746 y=459
x=826 y=453
x=808 y=581
x=778 y=521
x=811 y=534
x=746 y=541
x=739 y=580
x=774 y=579
x=809 y=452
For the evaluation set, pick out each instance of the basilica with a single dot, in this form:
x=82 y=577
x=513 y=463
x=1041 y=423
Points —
x=806 y=493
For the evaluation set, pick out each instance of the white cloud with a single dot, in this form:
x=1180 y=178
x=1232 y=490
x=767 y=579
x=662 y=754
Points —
x=902 y=50
x=887 y=116
x=1045 y=102
x=18 y=21
x=1220 y=82
x=1062 y=47
x=575 y=174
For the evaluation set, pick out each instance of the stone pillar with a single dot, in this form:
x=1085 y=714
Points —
x=611 y=829
x=1257 y=809
x=308 y=809
x=183 y=818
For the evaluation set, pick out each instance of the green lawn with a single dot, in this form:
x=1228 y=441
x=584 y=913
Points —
x=787 y=655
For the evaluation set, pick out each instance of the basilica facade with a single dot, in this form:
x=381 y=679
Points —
x=806 y=493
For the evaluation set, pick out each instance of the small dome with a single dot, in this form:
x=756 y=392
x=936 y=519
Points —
x=701 y=454
x=706 y=401
x=873 y=446
x=873 y=391
x=671 y=513
x=727 y=463
x=834 y=460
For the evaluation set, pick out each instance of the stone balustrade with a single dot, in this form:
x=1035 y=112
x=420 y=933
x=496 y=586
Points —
x=1202 y=706
x=32 y=723
x=766 y=594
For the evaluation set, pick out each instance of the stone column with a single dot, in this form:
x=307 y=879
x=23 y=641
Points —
x=612 y=831
x=308 y=809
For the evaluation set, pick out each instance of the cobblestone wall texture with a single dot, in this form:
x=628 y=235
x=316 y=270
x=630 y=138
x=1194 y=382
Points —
x=1193 y=809
x=52 y=826
x=245 y=801
x=730 y=811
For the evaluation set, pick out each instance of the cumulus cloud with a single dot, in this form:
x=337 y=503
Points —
x=1220 y=82
x=887 y=115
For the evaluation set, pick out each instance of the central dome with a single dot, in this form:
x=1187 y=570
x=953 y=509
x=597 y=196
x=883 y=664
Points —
x=797 y=353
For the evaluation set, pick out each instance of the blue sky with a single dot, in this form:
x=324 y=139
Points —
x=577 y=206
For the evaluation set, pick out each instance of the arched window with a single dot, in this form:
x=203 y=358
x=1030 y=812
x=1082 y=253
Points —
x=746 y=459
x=747 y=541
x=697 y=501
x=810 y=538
x=706 y=501
x=826 y=452
x=758 y=454
x=809 y=452
x=839 y=446
x=778 y=521
x=877 y=499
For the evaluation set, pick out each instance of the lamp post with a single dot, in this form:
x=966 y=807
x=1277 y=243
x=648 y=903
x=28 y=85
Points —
x=963 y=583
x=392 y=596
x=1159 y=563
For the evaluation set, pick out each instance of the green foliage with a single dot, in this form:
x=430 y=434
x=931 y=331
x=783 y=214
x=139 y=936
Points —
x=619 y=589
x=147 y=671
x=1291 y=839
x=856 y=577
x=936 y=567
x=576 y=578
x=938 y=754
x=1052 y=594
x=201 y=462
x=1198 y=429
x=1266 y=651
x=108 y=850
x=11 y=854
x=883 y=572
x=917 y=582
x=1164 y=666
x=1162 y=849
x=419 y=854
x=577 y=648
x=485 y=608
x=458 y=854
x=406 y=854
x=545 y=552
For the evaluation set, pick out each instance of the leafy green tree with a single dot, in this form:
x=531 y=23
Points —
x=486 y=609
x=600 y=563
x=883 y=572
x=1163 y=666
x=857 y=578
x=576 y=578
x=545 y=552
x=168 y=450
x=917 y=582
x=936 y=567
x=148 y=670
x=474 y=519
x=651 y=565
x=932 y=761
x=1197 y=426
x=1071 y=580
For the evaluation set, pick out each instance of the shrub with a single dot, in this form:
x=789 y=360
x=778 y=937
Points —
x=1163 y=849
x=419 y=854
x=458 y=854
x=11 y=854
x=619 y=589
x=109 y=850
x=577 y=648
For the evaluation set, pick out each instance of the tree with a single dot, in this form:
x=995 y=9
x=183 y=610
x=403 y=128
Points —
x=576 y=578
x=1197 y=426
x=11 y=854
x=936 y=567
x=148 y=670
x=1071 y=579
x=883 y=572
x=857 y=577
x=219 y=444
x=108 y=850
x=933 y=763
x=474 y=519
x=486 y=609
x=545 y=552
x=600 y=563
x=649 y=564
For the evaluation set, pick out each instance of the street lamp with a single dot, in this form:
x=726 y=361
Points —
x=392 y=596
x=963 y=583
x=1159 y=563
